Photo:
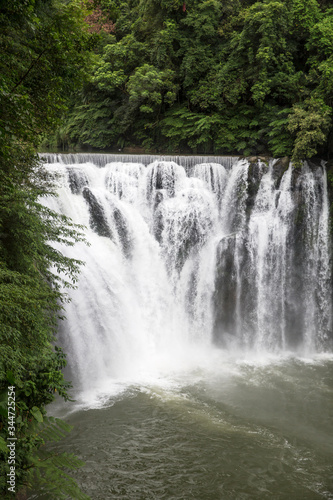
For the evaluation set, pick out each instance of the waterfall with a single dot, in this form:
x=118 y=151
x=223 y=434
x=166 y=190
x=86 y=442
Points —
x=189 y=253
x=101 y=159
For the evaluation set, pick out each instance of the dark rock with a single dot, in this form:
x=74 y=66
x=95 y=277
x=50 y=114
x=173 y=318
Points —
x=123 y=231
x=225 y=291
x=158 y=225
x=97 y=219
x=77 y=181
x=255 y=173
x=279 y=168
x=329 y=166
x=159 y=197
x=161 y=178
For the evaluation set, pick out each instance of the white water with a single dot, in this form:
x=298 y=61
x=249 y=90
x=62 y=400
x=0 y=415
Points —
x=182 y=260
x=269 y=227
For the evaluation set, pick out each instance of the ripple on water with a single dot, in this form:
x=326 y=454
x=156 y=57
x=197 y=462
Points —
x=256 y=431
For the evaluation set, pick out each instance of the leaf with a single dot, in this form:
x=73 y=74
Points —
x=10 y=377
x=3 y=445
x=53 y=429
x=36 y=414
x=3 y=410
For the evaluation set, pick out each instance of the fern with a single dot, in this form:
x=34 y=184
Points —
x=54 y=482
x=280 y=141
x=48 y=469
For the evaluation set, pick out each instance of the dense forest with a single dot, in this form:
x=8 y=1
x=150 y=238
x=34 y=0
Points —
x=206 y=76
x=196 y=76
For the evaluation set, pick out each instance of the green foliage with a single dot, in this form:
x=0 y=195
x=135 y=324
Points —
x=43 y=468
x=44 y=47
x=172 y=78
x=48 y=469
x=149 y=88
x=280 y=141
x=309 y=123
x=320 y=47
x=38 y=39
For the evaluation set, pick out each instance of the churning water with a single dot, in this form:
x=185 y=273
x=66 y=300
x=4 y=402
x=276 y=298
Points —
x=199 y=334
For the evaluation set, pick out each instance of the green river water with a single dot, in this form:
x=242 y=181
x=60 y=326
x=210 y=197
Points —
x=239 y=429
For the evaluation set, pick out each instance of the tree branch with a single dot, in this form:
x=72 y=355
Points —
x=28 y=71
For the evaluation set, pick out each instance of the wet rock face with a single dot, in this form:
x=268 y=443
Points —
x=193 y=239
x=257 y=169
x=255 y=173
x=159 y=197
x=98 y=221
x=123 y=231
x=112 y=225
x=225 y=290
x=329 y=170
x=183 y=224
x=179 y=238
x=161 y=179
x=77 y=181
x=158 y=225
x=279 y=168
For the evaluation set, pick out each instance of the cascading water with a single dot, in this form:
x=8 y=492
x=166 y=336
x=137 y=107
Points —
x=182 y=258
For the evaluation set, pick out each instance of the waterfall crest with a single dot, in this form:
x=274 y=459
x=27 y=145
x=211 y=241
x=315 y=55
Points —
x=193 y=251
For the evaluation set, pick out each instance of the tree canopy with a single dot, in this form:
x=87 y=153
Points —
x=238 y=76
